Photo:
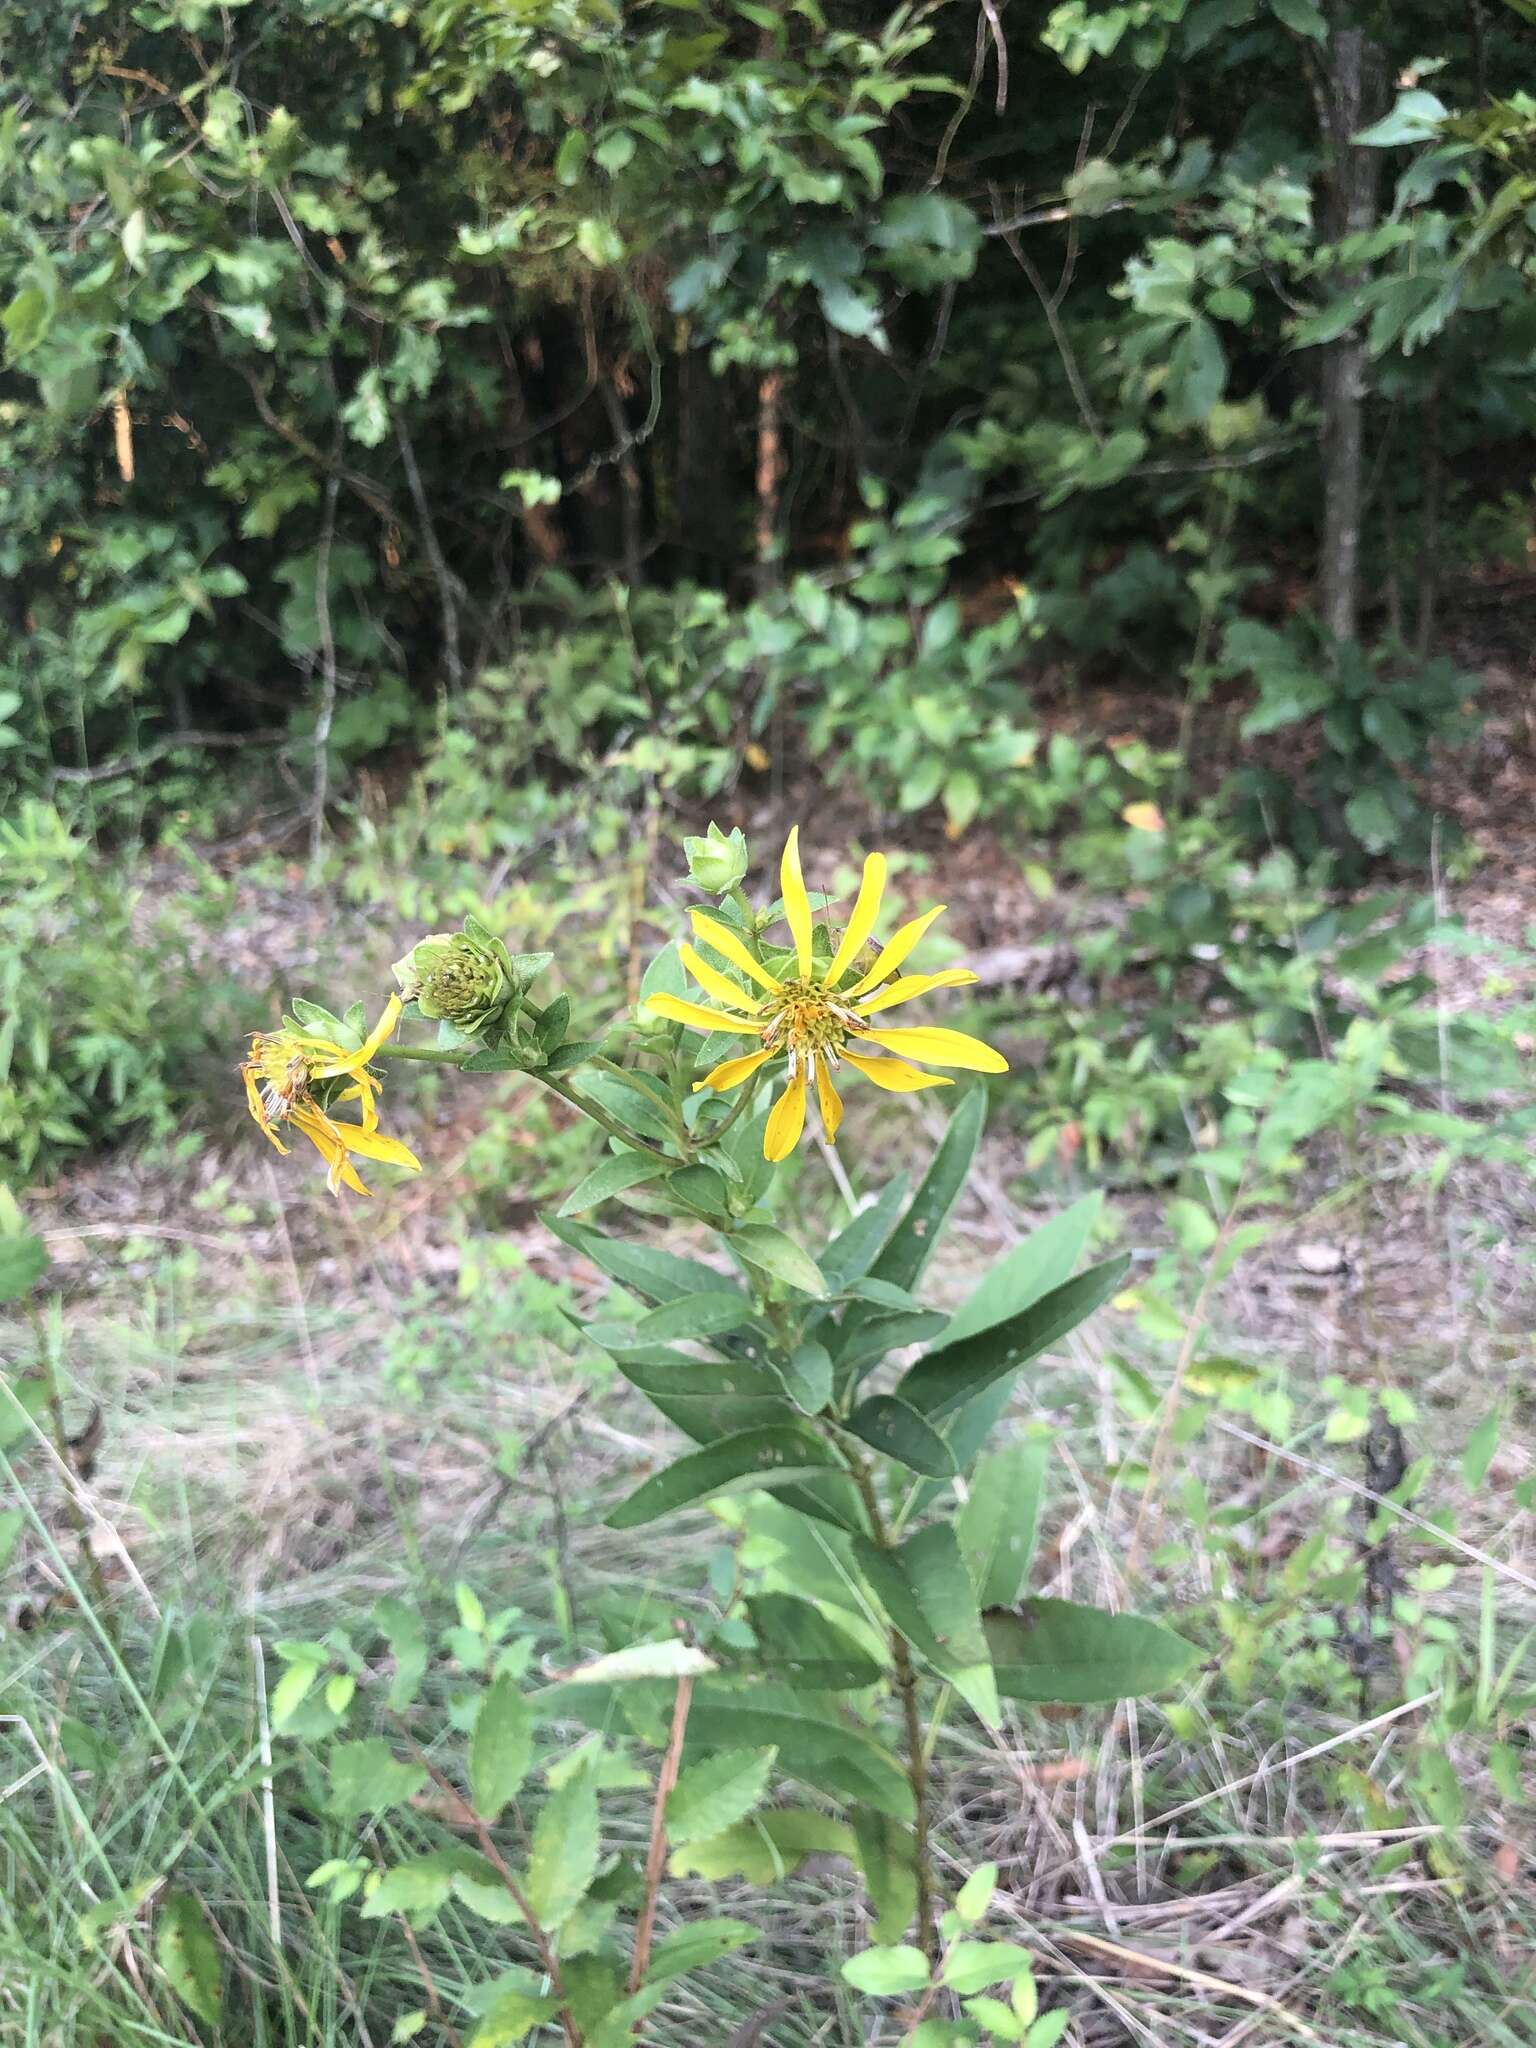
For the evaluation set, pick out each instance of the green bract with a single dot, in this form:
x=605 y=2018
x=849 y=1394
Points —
x=717 y=863
x=457 y=979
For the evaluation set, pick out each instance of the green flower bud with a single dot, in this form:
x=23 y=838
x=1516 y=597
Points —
x=459 y=980
x=717 y=863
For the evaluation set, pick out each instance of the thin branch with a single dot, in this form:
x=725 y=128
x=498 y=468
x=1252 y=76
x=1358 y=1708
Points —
x=448 y=585
x=320 y=788
x=515 y=1892
x=1052 y=311
x=656 y=1855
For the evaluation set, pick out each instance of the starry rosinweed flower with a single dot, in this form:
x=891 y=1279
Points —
x=806 y=1014
x=291 y=1079
x=456 y=979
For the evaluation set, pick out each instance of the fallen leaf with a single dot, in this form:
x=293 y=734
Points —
x=1144 y=817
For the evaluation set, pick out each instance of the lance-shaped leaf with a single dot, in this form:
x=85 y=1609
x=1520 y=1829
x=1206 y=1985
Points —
x=914 y=1239
x=954 y=1374
x=859 y=1243
x=923 y=1586
x=693 y=1316
x=829 y=1755
x=894 y=1427
x=1058 y=1652
x=797 y=1642
x=612 y=1177
x=768 y=1457
x=998 y=1523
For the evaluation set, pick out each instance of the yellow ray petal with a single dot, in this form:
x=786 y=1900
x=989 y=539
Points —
x=786 y=1123
x=729 y=947
x=895 y=1074
x=317 y=1127
x=694 y=1014
x=797 y=905
x=911 y=985
x=731 y=1073
x=940 y=1048
x=375 y=1145
x=896 y=950
x=830 y=1102
x=866 y=909
x=349 y=1062
x=364 y=1090
x=713 y=982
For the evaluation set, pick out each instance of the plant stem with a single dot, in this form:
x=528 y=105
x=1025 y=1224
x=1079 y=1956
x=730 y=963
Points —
x=610 y=1124
x=917 y=1754
x=504 y=1870
x=455 y=1056
x=656 y=1855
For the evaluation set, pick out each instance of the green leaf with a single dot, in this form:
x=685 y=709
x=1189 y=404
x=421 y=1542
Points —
x=657 y=1275
x=625 y=1170
x=887 y=1857
x=1478 y=1455
x=696 y=1946
x=851 y=1254
x=669 y=1658
x=186 y=1951
x=972 y=1965
x=694 y=1315
x=923 y=1586
x=1304 y=16
x=511 y=2019
x=714 y=1795
x=292 y=1689
x=807 y=1376
x=770 y=1846
x=419 y=1888
x=25 y=321
x=761 y=1245
x=827 y=1754
x=771 y=1457
x=23 y=1260
x=1197 y=371
x=563 y=1860
x=997 y=1525
x=1416 y=118
x=366 y=1777
x=975 y=1895
x=1371 y=818
x=1032 y=1269
x=500 y=1749
x=1058 y=1652
x=951 y=1376
x=800 y=1644
x=885 y=1972
x=893 y=1427
x=402 y=1629
x=913 y=1242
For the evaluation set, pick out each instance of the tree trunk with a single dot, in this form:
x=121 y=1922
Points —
x=1351 y=96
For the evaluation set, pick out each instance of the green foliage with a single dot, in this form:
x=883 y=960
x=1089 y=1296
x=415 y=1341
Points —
x=421 y=358
x=104 y=1030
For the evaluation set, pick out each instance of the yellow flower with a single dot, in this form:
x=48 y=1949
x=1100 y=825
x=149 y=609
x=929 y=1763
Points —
x=810 y=1010
x=280 y=1075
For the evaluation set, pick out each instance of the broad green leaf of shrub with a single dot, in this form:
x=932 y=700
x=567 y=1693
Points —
x=500 y=1750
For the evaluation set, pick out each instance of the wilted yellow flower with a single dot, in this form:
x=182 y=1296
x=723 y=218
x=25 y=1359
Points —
x=280 y=1074
x=809 y=1010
